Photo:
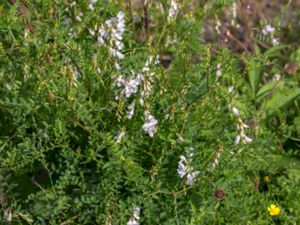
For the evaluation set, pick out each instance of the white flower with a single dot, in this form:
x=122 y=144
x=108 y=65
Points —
x=247 y=139
x=190 y=178
x=130 y=113
x=120 y=81
x=235 y=111
x=92 y=32
x=277 y=77
x=120 y=22
x=145 y=69
x=237 y=139
x=117 y=34
x=102 y=36
x=8 y=86
x=117 y=66
x=157 y=59
x=91 y=7
x=275 y=41
x=140 y=77
x=103 y=33
x=141 y=101
x=150 y=124
x=116 y=53
x=268 y=29
x=244 y=125
x=241 y=126
x=230 y=89
x=131 y=87
x=112 y=31
x=137 y=213
x=172 y=11
x=78 y=17
x=183 y=168
x=120 y=26
x=73 y=4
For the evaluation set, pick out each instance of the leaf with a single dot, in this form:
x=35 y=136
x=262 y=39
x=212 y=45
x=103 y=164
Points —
x=271 y=51
x=268 y=88
x=255 y=73
x=281 y=99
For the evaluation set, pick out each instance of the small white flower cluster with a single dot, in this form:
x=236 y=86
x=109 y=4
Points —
x=241 y=126
x=134 y=220
x=269 y=30
x=150 y=124
x=130 y=112
x=91 y=5
x=79 y=16
x=218 y=72
x=185 y=169
x=131 y=86
x=112 y=30
x=277 y=77
x=172 y=10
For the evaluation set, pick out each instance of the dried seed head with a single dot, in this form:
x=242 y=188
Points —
x=166 y=59
x=291 y=67
x=219 y=194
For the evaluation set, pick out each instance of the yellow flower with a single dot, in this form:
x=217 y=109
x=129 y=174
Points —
x=267 y=179
x=274 y=210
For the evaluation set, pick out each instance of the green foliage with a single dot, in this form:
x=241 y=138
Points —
x=73 y=152
x=280 y=99
x=255 y=73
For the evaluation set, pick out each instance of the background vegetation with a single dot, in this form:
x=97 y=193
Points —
x=149 y=112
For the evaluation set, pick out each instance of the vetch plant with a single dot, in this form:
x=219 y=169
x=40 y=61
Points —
x=186 y=170
x=241 y=126
x=150 y=125
x=100 y=103
x=172 y=10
